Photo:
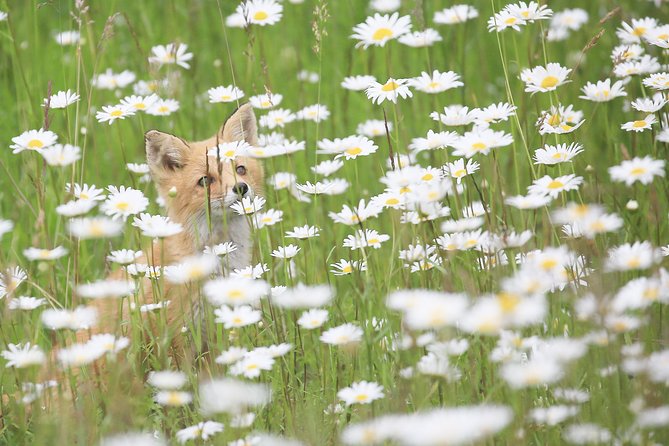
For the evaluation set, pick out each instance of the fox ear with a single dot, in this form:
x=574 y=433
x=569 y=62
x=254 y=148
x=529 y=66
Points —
x=241 y=126
x=165 y=151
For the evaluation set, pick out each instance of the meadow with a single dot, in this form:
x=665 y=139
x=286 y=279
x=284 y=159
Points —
x=460 y=238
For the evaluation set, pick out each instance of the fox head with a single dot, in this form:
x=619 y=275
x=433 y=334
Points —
x=202 y=182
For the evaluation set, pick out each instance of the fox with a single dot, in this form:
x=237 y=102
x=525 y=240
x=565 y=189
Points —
x=197 y=190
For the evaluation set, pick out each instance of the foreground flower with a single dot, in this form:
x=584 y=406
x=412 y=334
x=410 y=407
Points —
x=391 y=90
x=96 y=227
x=436 y=82
x=560 y=153
x=303 y=232
x=380 y=29
x=248 y=205
x=133 y=438
x=156 y=226
x=192 y=269
x=20 y=356
x=553 y=186
x=362 y=392
x=237 y=317
x=231 y=396
x=643 y=170
x=61 y=99
x=342 y=335
x=543 y=79
x=603 y=91
x=224 y=94
x=640 y=125
x=167 y=379
x=33 y=140
x=261 y=12
x=201 y=431
x=363 y=239
x=61 y=155
x=172 y=53
x=458 y=170
x=313 y=318
x=44 y=254
x=111 y=113
x=174 y=398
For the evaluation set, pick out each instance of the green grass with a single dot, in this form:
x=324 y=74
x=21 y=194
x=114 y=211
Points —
x=119 y=35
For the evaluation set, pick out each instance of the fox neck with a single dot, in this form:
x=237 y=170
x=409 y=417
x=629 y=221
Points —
x=219 y=227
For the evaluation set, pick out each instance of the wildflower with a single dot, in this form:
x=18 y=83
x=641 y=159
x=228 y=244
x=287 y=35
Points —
x=133 y=438
x=637 y=169
x=23 y=355
x=111 y=113
x=313 y=318
x=85 y=192
x=261 y=12
x=380 y=29
x=544 y=79
x=603 y=91
x=277 y=118
x=61 y=99
x=44 y=254
x=26 y=303
x=362 y=392
x=640 y=125
x=163 y=107
x=559 y=120
x=265 y=101
x=632 y=33
x=111 y=81
x=124 y=256
x=455 y=14
x=252 y=364
x=167 y=379
x=503 y=20
x=303 y=232
x=285 y=252
x=201 y=431
x=560 y=153
x=459 y=170
x=553 y=415
x=10 y=279
x=109 y=343
x=586 y=433
x=327 y=167
x=96 y=227
x=106 y=289
x=250 y=272
x=391 y=90
x=553 y=186
x=173 y=398
x=156 y=226
x=495 y=113
x=192 y=269
x=269 y=218
x=358 y=83
x=649 y=105
x=420 y=39
x=67 y=37
x=316 y=113
x=231 y=396
x=640 y=255
x=529 y=12
x=435 y=83
x=79 y=355
x=532 y=373
x=643 y=65
x=33 y=140
x=342 y=335
x=436 y=365
x=61 y=155
x=248 y=205
x=240 y=316
x=480 y=141
x=304 y=296
x=172 y=53
x=363 y=239
x=224 y=94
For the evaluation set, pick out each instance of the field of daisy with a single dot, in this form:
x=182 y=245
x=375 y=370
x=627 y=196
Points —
x=460 y=237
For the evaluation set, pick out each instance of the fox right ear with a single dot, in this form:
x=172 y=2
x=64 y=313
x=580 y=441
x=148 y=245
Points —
x=165 y=151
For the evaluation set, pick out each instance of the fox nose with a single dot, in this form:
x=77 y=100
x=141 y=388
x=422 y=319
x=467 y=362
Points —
x=240 y=188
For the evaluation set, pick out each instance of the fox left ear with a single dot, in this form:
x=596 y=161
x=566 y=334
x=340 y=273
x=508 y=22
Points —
x=240 y=126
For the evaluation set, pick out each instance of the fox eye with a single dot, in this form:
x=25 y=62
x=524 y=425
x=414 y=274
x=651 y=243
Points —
x=204 y=181
x=241 y=170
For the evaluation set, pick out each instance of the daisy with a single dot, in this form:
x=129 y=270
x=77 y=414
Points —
x=33 y=140
x=277 y=118
x=503 y=20
x=644 y=65
x=308 y=76
x=228 y=151
x=657 y=81
x=139 y=103
x=10 y=279
x=124 y=256
x=235 y=291
x=459 y=170
x=240 y=316
x=163 y=107
x=559 y=120
x=358 y=83
x=363 y=239
x=123 y=202
x=261 y=12
x=380 y=29
x=251 y=365
x=303 y=232
x=637 y=169
x=455 y=115
x=553 y=186
x=201 y=431
x=355 y=146
x=572 y=19
x=85 y=192
x=111 y=81
x=649 y=105
x=192 y=269
x=420 y=39
x=362 y=392
x=138 y=168
x=61 y=155
x=640 y=255
x=25 y=303
x=529 y=12
x=437 y=82
x=156 y=226
x=44 y=254
x=626 y=52
x=560 y=153
x=345 y=267
x=313 y=318
x=173 y=398
x=543 y=79
x=172 y=53
x=327 y=167
x=67 y=37
x=224 y=94
x=248 y=205
x=382 y=5
x=96 y=227
x=304 y=296
x=269 y=218
x=390 y=90
x=77 y=319
x=79 y=355
x=480 y=141
x=111 y=113
x=603 y=91
x=342 y=335
x=265 y=101
x=313 y=189
x=632 y=33
x=316 y=113
x=640 y=125
x=455 y=14
x=23 y=355
x=495 y=113
x=285 y=252
x=61 y=99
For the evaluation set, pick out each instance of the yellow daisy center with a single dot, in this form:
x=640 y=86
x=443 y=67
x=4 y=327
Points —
x=382 y=33
x=459 y=173
x=390 y=86
x=140 y=106
x=226 y=97
x=549 y=264
x=478 y=146
x=96 y=229
x=554 y=120
x=260 y=15
x=347 y=269
x=434 y=84
x=392 y=201
x=354 y=151
x=549 y=82
x=427 y=177
x=651 y=294
x=508 y=302
x=229 y=153
x=559 y=156
x=174 y=399
x=566 y=127
x=510 y=21
x=361 y=397
x=638 y=171
x=237 y=320
x=639 y=31
x=116 y=113
x=373 y=241
x=265 y=104
x=163 y=109
x=555 y=184
x=639 y=124
x=35 y=144
x=122 y=205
